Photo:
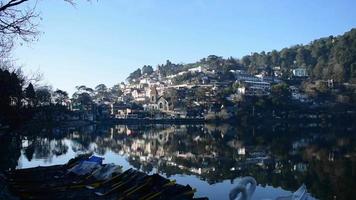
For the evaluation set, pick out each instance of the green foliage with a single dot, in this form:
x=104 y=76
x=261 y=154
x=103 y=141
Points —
x=134 y=76
x=227 y=91
x=43 y=96
x=60 y=96
x=280 y=94
x=326 y=58
x=116 y=91
x=84 y=95
x=147 y=69
x=184 y=78
x=83 y=88
x=84 y=99
x=101 y=88
x=102 y=92
x=200 y=93
x=169 y=68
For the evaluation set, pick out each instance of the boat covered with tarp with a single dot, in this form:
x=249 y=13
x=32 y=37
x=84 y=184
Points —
x=86 y=177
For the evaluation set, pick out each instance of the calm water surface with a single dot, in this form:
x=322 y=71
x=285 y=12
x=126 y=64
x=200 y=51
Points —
x=210 y=158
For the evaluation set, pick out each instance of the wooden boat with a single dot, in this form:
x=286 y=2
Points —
x=72 y=181
x=300 y=194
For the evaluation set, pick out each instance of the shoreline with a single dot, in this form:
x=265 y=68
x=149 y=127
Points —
x=153 y=121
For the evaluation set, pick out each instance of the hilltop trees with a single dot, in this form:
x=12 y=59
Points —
x=43 y=96
x=169 y=68
x=147 y=70
x=83 y=96
x=101 y=92
x=60 y=97
x=134 y=76
x=116 y=91
x=325 y=58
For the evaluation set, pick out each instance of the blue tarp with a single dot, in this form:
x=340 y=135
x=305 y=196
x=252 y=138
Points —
x=96 y=159
x=87 y=166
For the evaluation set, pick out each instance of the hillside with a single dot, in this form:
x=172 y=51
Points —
x=333 y=57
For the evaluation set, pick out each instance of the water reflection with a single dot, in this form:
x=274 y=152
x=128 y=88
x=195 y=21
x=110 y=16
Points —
x=209 y=157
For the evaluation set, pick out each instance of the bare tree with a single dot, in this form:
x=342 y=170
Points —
x=18 y=20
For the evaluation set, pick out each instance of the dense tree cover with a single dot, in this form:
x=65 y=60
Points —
x=102 y=92
x=147 y=70
x=280 y=94
x=19 y=101
x=60 y=96
x=44 y=96
x=220 y=64
x=86 y=96
x=169 y=68
x=116 y=91
x=83 y=96
x=134 y=76
x=184 y=78
x=326 y=58
x=10 y=94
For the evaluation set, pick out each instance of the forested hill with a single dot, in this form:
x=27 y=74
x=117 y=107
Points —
x=325 y=58
x=333 y=57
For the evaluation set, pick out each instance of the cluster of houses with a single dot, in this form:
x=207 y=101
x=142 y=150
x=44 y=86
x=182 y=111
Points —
x=145 y=97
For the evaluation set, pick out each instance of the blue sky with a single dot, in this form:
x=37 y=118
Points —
x=102 y=42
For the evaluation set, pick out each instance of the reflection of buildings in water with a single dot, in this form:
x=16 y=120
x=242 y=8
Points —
x=210 y=152
x=300 y=167
x=189 y=148
x=180 y=148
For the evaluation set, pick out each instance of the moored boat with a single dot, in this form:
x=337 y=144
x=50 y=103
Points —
x=86 y=177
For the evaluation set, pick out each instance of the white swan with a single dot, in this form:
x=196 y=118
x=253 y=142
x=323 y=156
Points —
x=246 y=186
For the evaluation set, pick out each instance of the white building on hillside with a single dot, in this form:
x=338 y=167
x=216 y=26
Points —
x=300 y=72
x=254 y=88
x=197 y=69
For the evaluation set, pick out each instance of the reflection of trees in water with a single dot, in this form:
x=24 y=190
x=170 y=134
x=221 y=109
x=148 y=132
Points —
x=217 y=152
x=332 y=167
x=214 y=149
x=10 y=151
x=44 y=148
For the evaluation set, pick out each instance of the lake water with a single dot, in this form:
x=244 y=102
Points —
x=210 y=158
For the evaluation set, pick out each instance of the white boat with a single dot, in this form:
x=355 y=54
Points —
x=300 y=194
x=247 y=186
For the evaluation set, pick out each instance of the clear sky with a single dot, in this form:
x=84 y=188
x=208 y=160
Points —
x=102 y=42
